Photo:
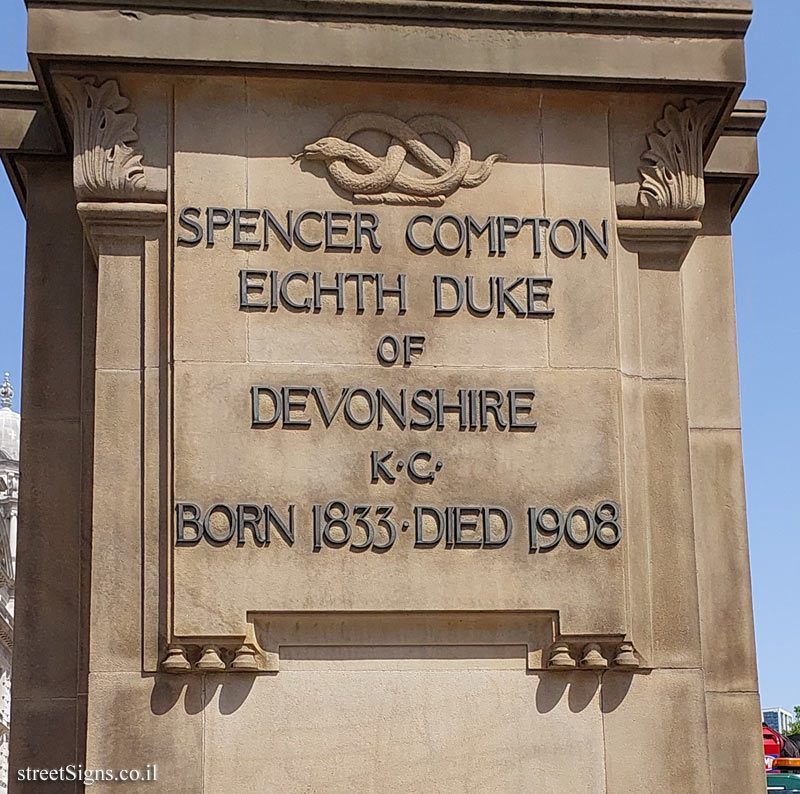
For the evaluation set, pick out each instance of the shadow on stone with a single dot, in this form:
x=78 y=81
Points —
x=234 y=691
x=200 y=691
x=550 y=691
x=167 y=691
x=582 y=690
x=615 y=688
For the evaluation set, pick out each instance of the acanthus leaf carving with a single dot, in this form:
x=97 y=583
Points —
x=672 y=185
x=105 y=164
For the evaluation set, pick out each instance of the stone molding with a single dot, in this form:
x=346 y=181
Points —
x=661 y=245
x=734 y=159
x=722 y=17
x=258 y=649
x=747 y=117
x=120 y=221
x=672 y=185
x=105 y=163
x=390 y=43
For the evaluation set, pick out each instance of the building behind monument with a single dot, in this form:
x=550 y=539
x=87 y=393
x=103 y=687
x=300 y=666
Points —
x=778 y=719
x=9 y=495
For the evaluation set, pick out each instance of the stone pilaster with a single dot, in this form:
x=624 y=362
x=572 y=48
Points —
x=125 y=222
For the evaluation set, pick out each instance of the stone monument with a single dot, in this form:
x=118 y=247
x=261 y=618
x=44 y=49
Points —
x=380 y=361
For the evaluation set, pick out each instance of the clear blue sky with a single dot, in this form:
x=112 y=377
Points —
x=768 y=314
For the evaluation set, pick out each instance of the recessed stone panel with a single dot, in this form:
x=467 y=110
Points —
x=569 y=460
x=396 y=381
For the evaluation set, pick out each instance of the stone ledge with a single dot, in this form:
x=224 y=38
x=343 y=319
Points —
x=660 y=244
x=507 y=51
x=747 y=117
x=134 y=213
x=670 y=239
x=725 y=17
x=19 y=89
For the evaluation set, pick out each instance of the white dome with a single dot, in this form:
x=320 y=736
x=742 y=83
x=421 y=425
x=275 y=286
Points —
x=9 y=424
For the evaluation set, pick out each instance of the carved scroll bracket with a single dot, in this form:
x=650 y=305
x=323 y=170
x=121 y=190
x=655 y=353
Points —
x=107 y=164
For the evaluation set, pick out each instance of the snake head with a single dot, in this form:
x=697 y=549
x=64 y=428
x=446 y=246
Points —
x=323 y=149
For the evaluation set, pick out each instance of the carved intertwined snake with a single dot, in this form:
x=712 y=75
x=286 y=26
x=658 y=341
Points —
x=379 y=179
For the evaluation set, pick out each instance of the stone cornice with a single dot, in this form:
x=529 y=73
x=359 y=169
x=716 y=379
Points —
x=25 y=126
x=747 y=117
x=19 y=89
x=717 y=17
x=734 y=159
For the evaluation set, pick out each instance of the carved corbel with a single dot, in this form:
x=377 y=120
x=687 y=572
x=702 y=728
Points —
x=672 y=188
x=118 y=196
x=573 y=653
x=672 y=185
x=231 y=655
x=106 y=165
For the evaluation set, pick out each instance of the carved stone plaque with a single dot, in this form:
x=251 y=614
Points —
x=392 y=408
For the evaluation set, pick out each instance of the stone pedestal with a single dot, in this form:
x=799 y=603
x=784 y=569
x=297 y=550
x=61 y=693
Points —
x=393 y=371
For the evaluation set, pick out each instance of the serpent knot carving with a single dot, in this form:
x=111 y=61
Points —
x=379 y=180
